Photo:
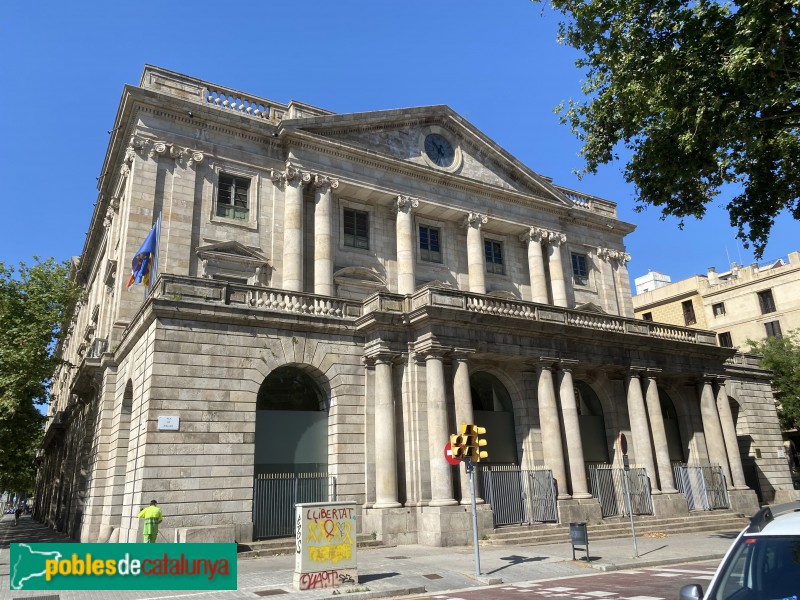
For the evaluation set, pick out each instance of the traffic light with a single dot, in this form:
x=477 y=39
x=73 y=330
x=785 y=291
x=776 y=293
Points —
x=472 y=443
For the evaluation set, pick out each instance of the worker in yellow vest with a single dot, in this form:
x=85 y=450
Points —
x=152 y=517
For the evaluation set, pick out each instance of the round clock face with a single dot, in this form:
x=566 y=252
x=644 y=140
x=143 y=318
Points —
x=439 y=150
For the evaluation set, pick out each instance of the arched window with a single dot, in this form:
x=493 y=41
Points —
x=592 y=424
x=289 y=388
x=492 y=407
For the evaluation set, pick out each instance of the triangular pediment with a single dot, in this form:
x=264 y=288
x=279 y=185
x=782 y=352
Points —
x=398 y=136
x=590 y=307
x=230 y=250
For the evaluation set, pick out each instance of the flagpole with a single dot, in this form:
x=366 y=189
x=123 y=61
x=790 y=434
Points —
x=154 y=266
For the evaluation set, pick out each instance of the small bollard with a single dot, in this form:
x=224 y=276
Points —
x=579 y=537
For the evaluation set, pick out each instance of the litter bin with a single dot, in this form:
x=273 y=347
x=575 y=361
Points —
x=579 y=537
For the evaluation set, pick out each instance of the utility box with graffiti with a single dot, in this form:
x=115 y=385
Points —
x=325 y=540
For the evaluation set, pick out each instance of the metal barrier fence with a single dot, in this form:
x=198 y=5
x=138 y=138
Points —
x=704 y=487
x=274 y=497
x=607 y=485
x=518 y=495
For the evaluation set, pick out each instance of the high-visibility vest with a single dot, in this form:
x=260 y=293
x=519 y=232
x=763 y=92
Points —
x=152 y=517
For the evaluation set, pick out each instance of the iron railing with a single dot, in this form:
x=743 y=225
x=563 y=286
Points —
x=518 y=495
x=703 y=486
x=275 y=496
x=607 y=484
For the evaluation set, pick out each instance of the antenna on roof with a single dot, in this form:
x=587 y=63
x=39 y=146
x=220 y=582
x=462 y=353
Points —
x=729 y=258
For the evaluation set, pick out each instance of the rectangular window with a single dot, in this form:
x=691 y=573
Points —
x=232 y=196
x=719 y=309
x=773 y=329
x=356 y=228
x=766 y=302
x=429 y=249
x=647 y=316
x=580 y=272
x=688 y=313
x=725 y=340
x=494 y=256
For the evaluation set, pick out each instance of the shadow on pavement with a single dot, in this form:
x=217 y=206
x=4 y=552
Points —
x=375 y=577
x=29 y=531
x=516 y=560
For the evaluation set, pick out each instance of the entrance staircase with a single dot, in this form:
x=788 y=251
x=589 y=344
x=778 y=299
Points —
x=280 y=546
x=617 y=527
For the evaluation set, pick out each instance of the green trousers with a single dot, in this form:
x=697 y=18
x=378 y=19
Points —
x=150 y=538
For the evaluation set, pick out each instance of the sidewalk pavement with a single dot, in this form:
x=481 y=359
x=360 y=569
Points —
x=407 y=571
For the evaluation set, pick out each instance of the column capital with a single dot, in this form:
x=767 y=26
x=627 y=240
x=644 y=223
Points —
x=634 y=371
x=618 y=256
x=475 y=220
x=533 y=235
x=553 y=238
x=461 y=354
x=406 y=203
x=291 y=176
x=652 y=372
x=567 y=364
x=544 y=363
x=325 y=183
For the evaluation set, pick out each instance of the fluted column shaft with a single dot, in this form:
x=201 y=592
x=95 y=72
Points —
x=715 y=441
x=385 y=440
x=441 y=481
x=552 y=449
x=729 y=433
x=665 y=475
x=572 y=430
x=323 y=236
x=293 y=234
x=557 y=283
x=475 y=254
x=464 y=413
x=536 y=267
x=639 y=429
x=406 y=276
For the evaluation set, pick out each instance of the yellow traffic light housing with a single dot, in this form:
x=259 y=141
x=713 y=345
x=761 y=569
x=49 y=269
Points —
x=472 y=442
x=457 y=447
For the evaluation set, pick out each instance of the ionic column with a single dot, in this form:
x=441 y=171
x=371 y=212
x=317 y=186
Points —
x=438 y=435
x=406 y=277
x=323 y=234
x=536 y=264
x=475 y=253
x=385 y=441
x=464 y=412
x=639 y=429
x=729 y=433
x=557 y=284
x=665 y=475
x=552 y=449
x=572 y=431
x=293 y=229
x=715 y=441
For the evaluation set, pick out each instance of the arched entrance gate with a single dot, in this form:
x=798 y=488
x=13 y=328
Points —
x=291 y=450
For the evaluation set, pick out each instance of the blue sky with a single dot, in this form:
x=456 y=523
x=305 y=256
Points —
x=496 y=63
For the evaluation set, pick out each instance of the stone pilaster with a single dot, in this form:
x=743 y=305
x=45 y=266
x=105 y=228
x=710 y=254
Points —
x=572 y=430
x=536 y=267
x=475 y=254
x=557 y=283
x=462 y=394
x=664 y=466
x=406 y=276
x=441 y=478
x=385 y=440
x=639 y=429
x=715 y=441
x=295 y=181
x=552 y=448
x=729 y=434
x=323 y=234
x=616 y=260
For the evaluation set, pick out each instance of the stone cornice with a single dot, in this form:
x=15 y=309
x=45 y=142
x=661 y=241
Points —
x=618 y=256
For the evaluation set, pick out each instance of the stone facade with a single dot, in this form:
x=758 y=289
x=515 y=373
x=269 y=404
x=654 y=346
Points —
x=353 y=287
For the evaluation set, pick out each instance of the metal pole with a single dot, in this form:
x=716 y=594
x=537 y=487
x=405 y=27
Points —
x=471 y=470
x=625 y=475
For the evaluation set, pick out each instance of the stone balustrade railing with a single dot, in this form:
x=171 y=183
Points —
x=591 y=203
x=243 y=104
x=268 y=299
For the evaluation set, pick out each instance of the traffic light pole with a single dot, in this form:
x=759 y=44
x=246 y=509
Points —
x=471 y=471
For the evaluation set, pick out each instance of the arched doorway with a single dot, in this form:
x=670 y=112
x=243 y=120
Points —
x=291 y=424
x=492 y=408
x=592 y=424
x=671 y=427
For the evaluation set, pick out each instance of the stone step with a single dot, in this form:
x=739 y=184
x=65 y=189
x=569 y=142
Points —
x=282 y=546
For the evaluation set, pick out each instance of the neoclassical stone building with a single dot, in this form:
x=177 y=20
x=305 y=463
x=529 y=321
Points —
x=335 y=294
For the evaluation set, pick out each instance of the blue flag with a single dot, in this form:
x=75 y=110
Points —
x=142 y=263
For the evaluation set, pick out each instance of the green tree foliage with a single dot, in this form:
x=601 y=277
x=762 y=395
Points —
x=703 y=94
x=782 y=357
x=34 y=303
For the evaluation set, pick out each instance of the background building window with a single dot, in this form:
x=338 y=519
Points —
x=356 y=228
x=232 y=196
x=719 y=309
x=725 y=340
x=648 y=316
x=429 y=244
x=766 y=302
x=688 y=313
x=773 y=329
x=494 y=256
x=580 y=272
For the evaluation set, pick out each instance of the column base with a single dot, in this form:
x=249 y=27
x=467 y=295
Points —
x=743 y=501
x=438 y=503
x=586 y=510
x=426 y=525
x=670 y=505
x=387 y=505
